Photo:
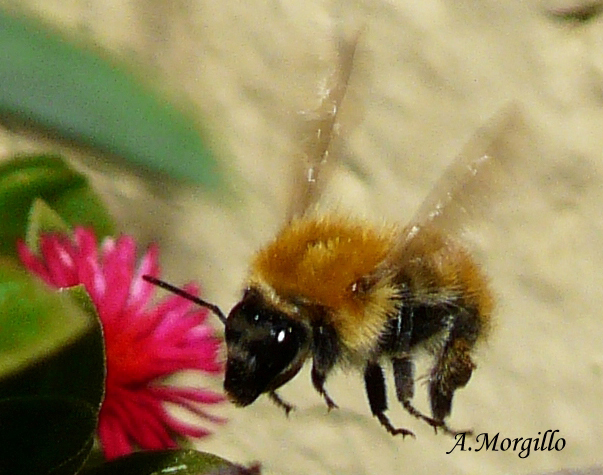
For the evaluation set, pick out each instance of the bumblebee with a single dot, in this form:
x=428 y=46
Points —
x=339 y=292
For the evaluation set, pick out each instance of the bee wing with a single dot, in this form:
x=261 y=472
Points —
x=321 y=128
x=487 y=167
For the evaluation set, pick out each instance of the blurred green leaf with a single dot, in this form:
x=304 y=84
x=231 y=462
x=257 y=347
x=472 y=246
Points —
x=80 y=369
x=34 y=320
x=42 y=218
x=26 y=178
x=178 y=462
x=77 y=95
x=52 y=374
x=45 y=435
x=49 y=363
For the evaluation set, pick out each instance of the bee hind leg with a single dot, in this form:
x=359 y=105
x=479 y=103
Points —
x=376 y=392
x=454 y=365
x=404 y=380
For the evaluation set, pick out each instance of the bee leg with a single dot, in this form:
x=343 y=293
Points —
x=452 y=371
x=404 y=370
x=404 y=379
x=376 y=392
x=454 y=365
x=318 y=380
x=276 y=399
x=326 y=352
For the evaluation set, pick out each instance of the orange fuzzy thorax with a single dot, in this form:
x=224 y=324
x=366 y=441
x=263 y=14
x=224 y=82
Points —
x=319 y=261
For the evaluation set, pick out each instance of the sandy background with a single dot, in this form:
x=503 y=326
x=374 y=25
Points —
x=428 y=75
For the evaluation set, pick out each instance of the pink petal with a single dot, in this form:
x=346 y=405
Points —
x=175 y=332
x=59 y=260
x=184 y=429
x=182 y=358
x=88 y=265
x=141 y=291
x=154 y=416
x=113 y=438
x=199 y=333
x=199 y=395
x=115 y=398
x=89 y=274
x=32 y=263
x=85 y=241
x=167 y=308
x=199 y=336
x=118 y=267
x=178 y=307
x=188 y=397
x=141 y=423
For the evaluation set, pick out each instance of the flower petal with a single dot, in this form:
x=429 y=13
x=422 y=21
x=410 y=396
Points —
x=118 y=267
x=188 y=398
x=59 y=260
x=113 y=437
x=33 y=263
x=140 y=290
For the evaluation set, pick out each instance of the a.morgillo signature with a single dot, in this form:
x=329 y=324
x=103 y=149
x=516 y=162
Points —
x=518 y=444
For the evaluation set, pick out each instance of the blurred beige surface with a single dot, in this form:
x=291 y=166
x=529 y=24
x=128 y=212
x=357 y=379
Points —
x=429 y=73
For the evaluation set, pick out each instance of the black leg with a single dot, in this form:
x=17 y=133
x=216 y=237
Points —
x=318 y=380
x=376 y=392
x=404 y=379
x=326 y=351
x=276 y=399
x=404 y=370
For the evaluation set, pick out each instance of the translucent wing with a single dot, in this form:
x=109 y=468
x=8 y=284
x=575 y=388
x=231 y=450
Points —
x=488 y=166
x=314 y=166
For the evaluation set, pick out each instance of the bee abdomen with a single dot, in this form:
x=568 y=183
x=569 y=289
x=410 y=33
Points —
x=414 y=325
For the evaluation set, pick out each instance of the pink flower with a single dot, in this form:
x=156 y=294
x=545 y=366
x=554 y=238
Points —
x=143 y=344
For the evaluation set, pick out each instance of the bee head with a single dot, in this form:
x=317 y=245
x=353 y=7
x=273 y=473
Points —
x=266 y=348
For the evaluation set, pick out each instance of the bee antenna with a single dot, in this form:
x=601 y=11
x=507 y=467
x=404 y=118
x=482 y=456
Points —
x=182 y=293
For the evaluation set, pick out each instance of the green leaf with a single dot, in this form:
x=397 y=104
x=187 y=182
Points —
x=26 y=178
x=79 y=96
x=81 y=367
x=177 y=462
x=43 y=219
x=35 y=322
x=46 y=359
x=52 y=374
x=45 y=435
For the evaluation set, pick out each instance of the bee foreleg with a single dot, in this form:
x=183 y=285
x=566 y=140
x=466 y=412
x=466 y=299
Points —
x=276 y=399
x=326 y=351
x=376 y=392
